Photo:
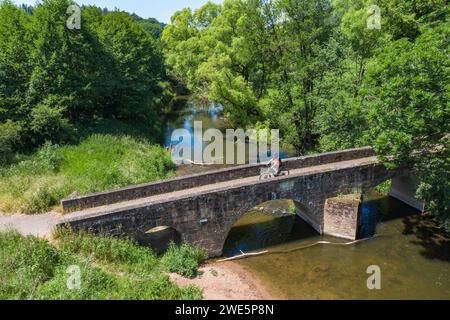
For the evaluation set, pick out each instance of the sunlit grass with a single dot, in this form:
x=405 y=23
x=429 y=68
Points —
x=110 y=269
x=99 y=163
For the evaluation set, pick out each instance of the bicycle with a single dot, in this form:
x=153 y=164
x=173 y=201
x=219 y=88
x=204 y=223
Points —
x=269 y=173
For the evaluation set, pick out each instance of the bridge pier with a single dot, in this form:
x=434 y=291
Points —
x=342 y=216
x=305 y=213
x=404 y=186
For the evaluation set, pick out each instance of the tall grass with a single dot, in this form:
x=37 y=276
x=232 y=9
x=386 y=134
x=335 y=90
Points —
x=123 y=254
x=110 y=269
x=183 y=259
x=101 y=162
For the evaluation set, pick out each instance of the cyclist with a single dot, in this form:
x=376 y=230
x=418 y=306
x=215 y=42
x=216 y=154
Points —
x=275 y=164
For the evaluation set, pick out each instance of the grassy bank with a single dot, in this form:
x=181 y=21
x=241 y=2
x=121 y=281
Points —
x=36 y=183
x=109 y=269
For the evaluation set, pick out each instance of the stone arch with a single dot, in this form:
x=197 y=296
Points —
x=299 y=207
x=159 y=237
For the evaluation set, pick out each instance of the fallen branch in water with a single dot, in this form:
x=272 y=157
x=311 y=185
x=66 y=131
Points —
x=196 y=163
x=246 y=255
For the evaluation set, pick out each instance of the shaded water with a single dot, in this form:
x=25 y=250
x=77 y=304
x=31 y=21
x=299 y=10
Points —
x=413 y=254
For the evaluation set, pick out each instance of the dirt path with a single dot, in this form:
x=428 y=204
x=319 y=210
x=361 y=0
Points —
x=227 y=281
x=37 y=225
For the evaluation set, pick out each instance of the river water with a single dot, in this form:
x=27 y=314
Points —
x=413 y=254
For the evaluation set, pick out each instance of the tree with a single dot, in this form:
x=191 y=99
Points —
x=306 y=54
x=14 y=61
x=410 y=114
x=151 y=25
x=178 y=38
x=138 y=65
x=54 y=78
x=264 y=61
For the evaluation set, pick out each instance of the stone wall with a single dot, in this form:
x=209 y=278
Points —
x=223 y=208
x=186 y=182
x=342 y=216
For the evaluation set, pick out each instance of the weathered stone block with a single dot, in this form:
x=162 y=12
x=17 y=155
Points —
x=342 y=216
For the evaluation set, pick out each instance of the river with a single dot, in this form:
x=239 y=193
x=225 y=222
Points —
x=413 y=254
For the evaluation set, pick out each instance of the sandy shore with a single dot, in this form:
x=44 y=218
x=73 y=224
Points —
x=226 y=281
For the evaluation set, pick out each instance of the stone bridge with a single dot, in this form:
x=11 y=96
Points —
x=202 y=208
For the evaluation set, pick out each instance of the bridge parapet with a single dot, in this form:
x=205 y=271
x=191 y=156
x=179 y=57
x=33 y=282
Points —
x=190 y=181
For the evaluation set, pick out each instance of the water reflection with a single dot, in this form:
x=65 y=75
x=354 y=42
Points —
x=211 y=117
x=188 y=112
x=410 y=249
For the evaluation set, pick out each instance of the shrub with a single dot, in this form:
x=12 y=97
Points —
x=385 y=187
x=183 y=259
x=25 y=263
x=49 y=156
x=38 y=200
x=48 y=121
x=9 y=134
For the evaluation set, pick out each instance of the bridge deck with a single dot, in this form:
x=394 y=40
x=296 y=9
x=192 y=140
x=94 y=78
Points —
x=211 y=188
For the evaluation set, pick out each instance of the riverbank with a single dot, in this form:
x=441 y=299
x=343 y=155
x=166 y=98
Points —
x=411 y=250
x=227 y=281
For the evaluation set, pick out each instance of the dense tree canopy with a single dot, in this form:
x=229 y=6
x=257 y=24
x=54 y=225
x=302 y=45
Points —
x=53 y=78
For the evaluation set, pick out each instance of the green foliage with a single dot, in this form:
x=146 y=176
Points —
x=9 y=135
x=385 y=187
x=151 y=25
x=137 y=63
x=96 y=284
x=101 y=162
x=292 y=208
x=53 y=79
x=25 y=263
x=434 y=175
x=34 y=269
x=48 y=122
x=410 y=114
x=183 y=259
x=123 y=253
x=257 y=60
x=49 y=157
x=14 y=61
